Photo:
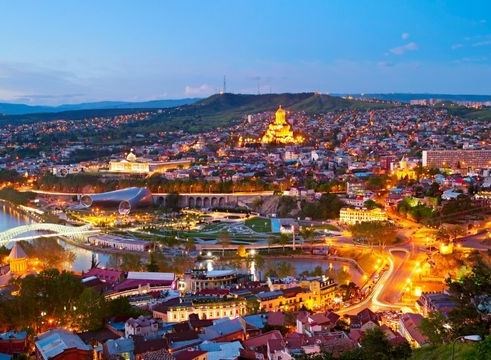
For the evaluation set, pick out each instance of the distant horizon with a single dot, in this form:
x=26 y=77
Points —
x=2 y=101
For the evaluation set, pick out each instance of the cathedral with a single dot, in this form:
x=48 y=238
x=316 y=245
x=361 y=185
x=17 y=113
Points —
x=280 y=131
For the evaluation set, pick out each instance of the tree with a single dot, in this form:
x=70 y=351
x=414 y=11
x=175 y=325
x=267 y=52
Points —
x=319 y=356
x=224 y=240
x=152 y=266
x=121 y=307
x=376 y=182
x=348 y=290
x=370 y=204
x=469 y=292
x=284 y=269
x=435 y=328
x=93 y=261
x=172 y=201
x=49 y=252
x=271 y=240
x=90 y=311
x=318 y=271
x=307 y=233
x=375 y=232
x=401 y=350
x=327 y=207
x=375 y=345
x=259 y=261
x=252 y=305
x=58 y=298
x=130 y=262
x=483 y=351
x=283 y=240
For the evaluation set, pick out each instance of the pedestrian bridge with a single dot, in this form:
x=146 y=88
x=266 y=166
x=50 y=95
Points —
x=52 y=230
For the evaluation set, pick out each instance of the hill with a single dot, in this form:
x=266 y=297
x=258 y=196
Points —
x=22 y=109
x=65 y=115
x=222 y=110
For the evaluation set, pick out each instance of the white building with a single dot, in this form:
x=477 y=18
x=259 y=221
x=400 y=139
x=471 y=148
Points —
x=354 y=216
x=119 y=242
x=146 y=327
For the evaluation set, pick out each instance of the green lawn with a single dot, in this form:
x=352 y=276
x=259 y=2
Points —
x=444 y=352
x=259 y=224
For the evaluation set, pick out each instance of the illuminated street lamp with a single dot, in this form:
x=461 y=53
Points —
x=473 y=338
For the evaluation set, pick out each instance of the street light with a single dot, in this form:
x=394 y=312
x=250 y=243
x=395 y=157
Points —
x=474 y=338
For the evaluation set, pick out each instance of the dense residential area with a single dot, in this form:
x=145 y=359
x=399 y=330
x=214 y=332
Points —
x=349 y=234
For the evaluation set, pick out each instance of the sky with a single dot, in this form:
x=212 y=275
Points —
x=54 y=52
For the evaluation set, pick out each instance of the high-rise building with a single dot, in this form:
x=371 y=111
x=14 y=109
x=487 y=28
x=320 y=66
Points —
x=457 y=159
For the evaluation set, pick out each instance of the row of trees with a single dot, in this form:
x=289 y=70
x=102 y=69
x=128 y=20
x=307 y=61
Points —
x=327 y=207
x=16 y=197
x=417 y=211
x=157 y=262
x=156 y=183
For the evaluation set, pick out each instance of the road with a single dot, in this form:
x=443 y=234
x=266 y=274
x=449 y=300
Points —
x=385 y=288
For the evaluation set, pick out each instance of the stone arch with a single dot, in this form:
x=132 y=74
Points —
x=199 y=202
x=214 y=201
x=160 y=201
x=221 y=201
x=206 y=202
x=191 y=202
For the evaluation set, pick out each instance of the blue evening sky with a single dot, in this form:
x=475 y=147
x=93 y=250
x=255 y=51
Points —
x=88 y=50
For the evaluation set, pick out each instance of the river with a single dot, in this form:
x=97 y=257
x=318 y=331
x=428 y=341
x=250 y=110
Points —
x=9 y=218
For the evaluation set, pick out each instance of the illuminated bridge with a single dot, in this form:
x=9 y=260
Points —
x=51 y=229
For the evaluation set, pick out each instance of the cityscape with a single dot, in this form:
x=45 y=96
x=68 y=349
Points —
x=194 y=181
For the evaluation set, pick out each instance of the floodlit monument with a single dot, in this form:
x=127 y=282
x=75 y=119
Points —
x=18 y=260
x=280 y=131
x=135 y=165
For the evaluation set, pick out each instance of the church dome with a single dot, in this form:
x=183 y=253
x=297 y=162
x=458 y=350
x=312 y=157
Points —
x=280 y=111
x=131 y=156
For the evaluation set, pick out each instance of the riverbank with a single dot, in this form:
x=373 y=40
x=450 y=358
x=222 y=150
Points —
x=32 y=217
x=96 y=249
x=320 y=258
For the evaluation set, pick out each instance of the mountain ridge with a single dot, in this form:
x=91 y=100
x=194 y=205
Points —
x=24 y=109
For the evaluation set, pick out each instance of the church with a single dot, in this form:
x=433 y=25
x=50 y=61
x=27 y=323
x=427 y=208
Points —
x=280 y=132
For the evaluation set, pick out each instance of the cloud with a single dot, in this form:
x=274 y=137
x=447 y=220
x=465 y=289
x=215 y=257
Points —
x=33 y=84
x=482 y=43
x=456 y=46
x=405 y=36
x=200 y=90
x=385 y=64
x=400 y=50
x=470 y=59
